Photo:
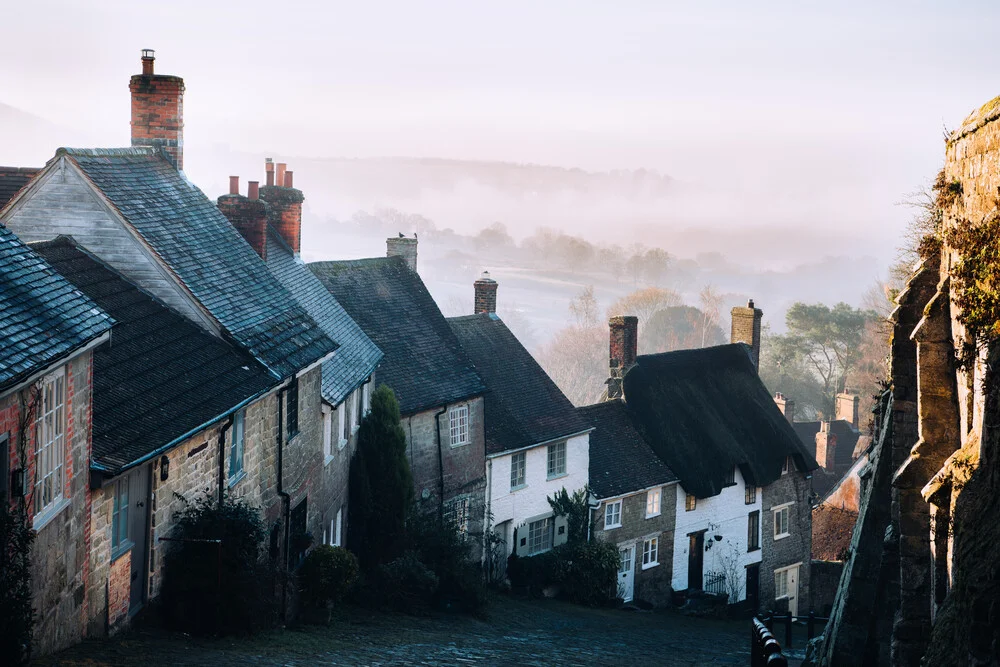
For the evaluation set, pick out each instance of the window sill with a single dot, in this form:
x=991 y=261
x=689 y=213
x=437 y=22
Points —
x=233 y=481
x=354 y=429
x=125 y=548
x=560 y=475
x=43 y=519
x=653 y=516
x=291 y=438
x=327 y=459
x=646 y=566
x=342 y=443
x=456 y=445
x=751 y=550
x=613 y=526
x=518 y=487
x=782 y=536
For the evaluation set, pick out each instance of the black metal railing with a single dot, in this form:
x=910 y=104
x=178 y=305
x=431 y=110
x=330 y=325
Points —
x=770 y=619
x=764 y=648
x=715 y=582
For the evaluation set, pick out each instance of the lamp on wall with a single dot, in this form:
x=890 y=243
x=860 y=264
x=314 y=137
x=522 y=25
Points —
x=164 y=468
x=17 y=482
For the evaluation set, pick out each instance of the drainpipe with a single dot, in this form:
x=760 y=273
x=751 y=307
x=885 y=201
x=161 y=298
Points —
x=222 y=458
x=286 y=499
x=437 y=427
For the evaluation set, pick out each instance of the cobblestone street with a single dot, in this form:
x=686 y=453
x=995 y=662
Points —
x=517 y=632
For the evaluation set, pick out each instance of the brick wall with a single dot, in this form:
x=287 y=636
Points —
x=824 y=578
x=653 y=584
x=797 y=547
x=119 y=589
x=158 y=114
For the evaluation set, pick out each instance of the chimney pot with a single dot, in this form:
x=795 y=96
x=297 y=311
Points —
x=234 y=185
x=269 y=168
x=279 y=179
x=148 y=56
x=485 y=294
x=253 y=191
x=288 y=179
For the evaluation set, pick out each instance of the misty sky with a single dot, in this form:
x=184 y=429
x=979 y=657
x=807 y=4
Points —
x=791 y=113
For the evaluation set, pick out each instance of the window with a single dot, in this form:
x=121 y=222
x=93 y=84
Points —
x=237 y=447
x=649 y=552
x=517 y=470
x=292 y=409
x=753 y=531
x=338 y=427
x=119 y=518
x=458 y=424
x=781 y=584
x=653 y=503
x=366 y=397
x=788 y=466
x=751 y=496
x=539 y=536
x=781 y=522
x=355 y=410
x=335 y=527
x=690 y=503
x=557 y=460
x=50 y=443
x=461 y=515
x=730 y=477
x=327 y=434
x=613 y=514
x=347 y=417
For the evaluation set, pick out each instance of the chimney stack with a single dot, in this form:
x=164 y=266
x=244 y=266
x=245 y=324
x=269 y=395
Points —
x=253 y=192
x=746 y=329
x=158 y=111
x=846 y=408
x=247 y=214
x=284 y=206
x=403 y=246
x=786 y=405
x=624 y=342
x=486 y=294
x=288 y=179
x=826 y=447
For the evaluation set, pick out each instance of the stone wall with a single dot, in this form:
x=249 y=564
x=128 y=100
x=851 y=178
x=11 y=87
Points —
x=791 y=489
x=824 y=578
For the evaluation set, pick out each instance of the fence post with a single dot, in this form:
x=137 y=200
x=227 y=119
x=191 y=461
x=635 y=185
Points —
x=811 y=625
x=788 y=630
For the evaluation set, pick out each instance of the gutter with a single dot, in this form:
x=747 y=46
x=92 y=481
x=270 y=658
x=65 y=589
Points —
x=507 y=452
x=63 y=359
x=222 y=456
x=286 y=499
x=437 y=427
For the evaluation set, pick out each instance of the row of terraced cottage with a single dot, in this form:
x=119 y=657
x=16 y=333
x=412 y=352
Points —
x=157 y=347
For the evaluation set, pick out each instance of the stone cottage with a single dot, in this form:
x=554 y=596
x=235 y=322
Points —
x=637 y=502
x=439 y=392
x=48 y=334
x=536 y=443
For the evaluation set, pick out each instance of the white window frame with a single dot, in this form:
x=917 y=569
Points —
x=788 y=466
x=341 y=416
x=553 y=454
x=516 y=457
x=785 y=510
x=650 y=552
x=461 y=510
x=613 y=511
x=355 y=410
x=237 y=447
x=459 y=425
x=335 y=528
x=49 y=431
x=328 y=448
x=541 y=538
x=654 y=498
x=120 y=503
x=781 y=589
x=366 y=398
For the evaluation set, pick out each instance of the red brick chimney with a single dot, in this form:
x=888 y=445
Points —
x=247 y=214
x=486 y=294
x=786 y=405
x=826 y=446
x=158 y=110
x=846 y=408
x=746 y=329
x=624 y=341
x=403 y=246
x=284 y=206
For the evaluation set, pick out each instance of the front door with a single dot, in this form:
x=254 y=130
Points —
x=786 y=584
x=696 y=560
x=138 y=531
x=753 y=586
x=626 y=572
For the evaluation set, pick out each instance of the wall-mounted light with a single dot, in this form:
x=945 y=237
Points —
x=164 y=468
x=17 y=482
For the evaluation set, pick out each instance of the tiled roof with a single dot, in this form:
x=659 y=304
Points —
x=12 y=179
x=207 y=255
x=161 y=376
x=357 y=355
x=424 y=363
x=706 y=411
x=621 y=460
x=847 y=439
x=43 y=318
x=524 y=406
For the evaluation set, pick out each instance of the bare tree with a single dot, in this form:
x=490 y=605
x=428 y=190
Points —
x=710 y=301
x=584 y=307
x=644 y=303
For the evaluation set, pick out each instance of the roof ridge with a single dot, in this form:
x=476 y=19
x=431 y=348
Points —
x=131 y=151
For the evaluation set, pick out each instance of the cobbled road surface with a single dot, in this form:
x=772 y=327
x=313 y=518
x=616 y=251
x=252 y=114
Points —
x=516 y=632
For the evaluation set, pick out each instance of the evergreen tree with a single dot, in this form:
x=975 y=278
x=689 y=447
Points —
x=381 y=485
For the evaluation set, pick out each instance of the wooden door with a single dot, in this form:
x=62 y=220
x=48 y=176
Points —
x=753 y=586
x=138 y=533
x=696 y=560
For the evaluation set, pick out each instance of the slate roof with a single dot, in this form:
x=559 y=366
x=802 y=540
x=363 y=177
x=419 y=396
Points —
x=12 y=179
x=524 y=407
x=357 y=355
x=161 y=376
x=847 y=439
x=621 y=459
x=43 y=318
x=208 y=255
x=424 y=363
x=705 y=411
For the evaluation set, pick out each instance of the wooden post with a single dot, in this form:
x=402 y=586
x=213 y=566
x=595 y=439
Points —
x=811 y=625
x=788 y=630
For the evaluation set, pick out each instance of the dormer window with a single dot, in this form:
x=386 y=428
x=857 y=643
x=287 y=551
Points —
x=788 y=466
x=730 y=477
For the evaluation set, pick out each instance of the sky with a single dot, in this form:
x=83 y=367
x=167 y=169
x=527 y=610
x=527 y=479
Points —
x=795 y=114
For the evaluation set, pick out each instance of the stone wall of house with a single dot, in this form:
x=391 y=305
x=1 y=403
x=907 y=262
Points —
x=791 y=489
x=651 y=584
x=824 y=578
x=303 y=455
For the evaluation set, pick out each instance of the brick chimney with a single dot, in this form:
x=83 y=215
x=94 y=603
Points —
x=624 y=341
x=284 y=206
x=158 y=110
x=746 y=329
x=247 y=214
x=786 y=405
x=826 y=446
x=486 y=294
x=403 y=246
x=846 y=408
